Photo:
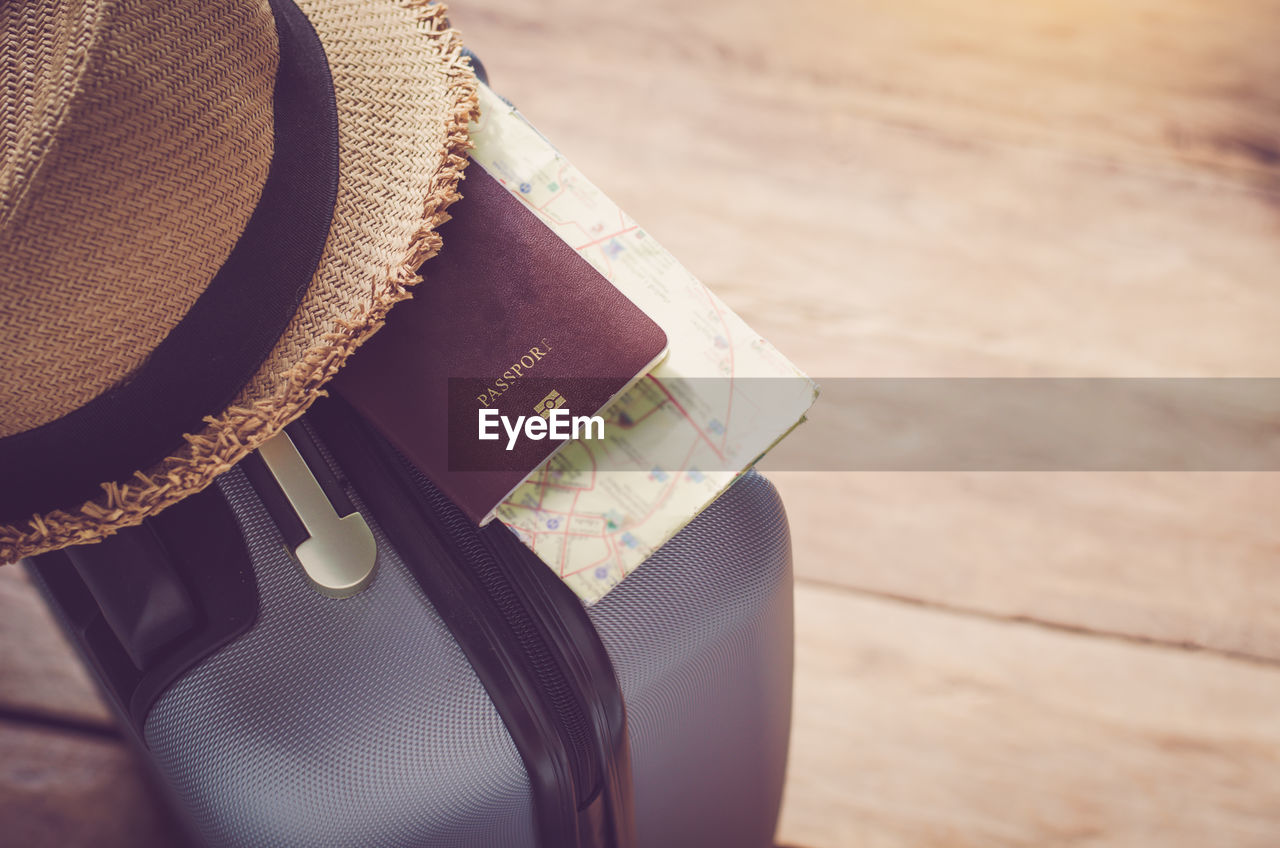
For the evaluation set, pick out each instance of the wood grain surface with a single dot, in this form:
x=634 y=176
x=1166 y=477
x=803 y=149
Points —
x=919 y=727
x=992 y=188
x=39 y=674
x=72 y=789
x=981 y=189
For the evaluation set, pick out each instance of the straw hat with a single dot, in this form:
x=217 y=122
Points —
x=205 y=207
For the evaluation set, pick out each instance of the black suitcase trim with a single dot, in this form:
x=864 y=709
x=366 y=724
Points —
x=524 y=632
x=200 y=552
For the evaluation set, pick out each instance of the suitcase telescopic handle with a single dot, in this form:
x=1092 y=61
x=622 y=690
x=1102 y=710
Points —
x=339 y=552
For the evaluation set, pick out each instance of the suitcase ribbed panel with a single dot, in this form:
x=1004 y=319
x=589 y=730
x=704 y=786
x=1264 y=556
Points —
x=358 y=722
x=353 y=722
x=701 y=637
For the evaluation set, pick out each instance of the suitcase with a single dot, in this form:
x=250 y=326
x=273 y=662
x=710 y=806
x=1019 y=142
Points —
x=464 y=696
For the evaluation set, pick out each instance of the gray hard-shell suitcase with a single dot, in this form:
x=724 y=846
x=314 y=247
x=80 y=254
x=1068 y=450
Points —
x=432 y=710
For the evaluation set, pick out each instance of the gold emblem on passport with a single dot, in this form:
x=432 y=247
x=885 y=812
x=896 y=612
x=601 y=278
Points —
x=553 y=400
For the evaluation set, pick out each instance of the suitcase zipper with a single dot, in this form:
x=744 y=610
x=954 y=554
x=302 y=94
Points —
x=464 y=540
x=524 y=632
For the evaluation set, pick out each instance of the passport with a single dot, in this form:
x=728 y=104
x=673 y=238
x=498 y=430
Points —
x=507 y=317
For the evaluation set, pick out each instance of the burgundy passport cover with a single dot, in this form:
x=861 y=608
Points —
x=506 y=314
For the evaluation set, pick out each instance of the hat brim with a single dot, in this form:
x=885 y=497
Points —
x=405 y=94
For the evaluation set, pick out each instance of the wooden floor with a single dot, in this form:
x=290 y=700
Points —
x=925 y=188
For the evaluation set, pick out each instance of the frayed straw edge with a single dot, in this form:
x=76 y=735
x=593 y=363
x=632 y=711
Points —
x=239 y=431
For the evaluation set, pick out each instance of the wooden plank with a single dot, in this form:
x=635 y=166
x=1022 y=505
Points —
x=864 y=246
x=941 y=189
x=1181 y=558
x=74 y=790
x=38 y=672
x=1147 y=79
x=921 y=727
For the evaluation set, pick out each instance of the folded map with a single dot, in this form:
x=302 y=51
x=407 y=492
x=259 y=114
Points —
x=721 y=398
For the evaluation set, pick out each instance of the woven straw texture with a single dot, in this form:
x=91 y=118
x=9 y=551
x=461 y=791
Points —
x=404 y=96
x=141 y=146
